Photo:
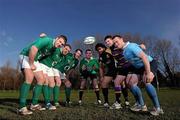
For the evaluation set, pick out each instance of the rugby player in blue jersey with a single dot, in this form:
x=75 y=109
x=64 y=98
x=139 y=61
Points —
x=144 y=65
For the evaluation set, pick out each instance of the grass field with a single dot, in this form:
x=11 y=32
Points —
x=170 y=101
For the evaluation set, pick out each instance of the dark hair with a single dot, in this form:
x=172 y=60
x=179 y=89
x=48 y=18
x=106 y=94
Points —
x=99 y=45
x=67 y=45
x=108 y=36
x=88 y=50
x=63 y=37
x=117 y=36
x=79 y=50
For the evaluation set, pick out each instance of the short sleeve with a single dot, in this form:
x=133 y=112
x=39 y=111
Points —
x=42 y=42
x=136 y=49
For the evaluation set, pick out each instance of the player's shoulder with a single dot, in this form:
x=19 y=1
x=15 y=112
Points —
x=82 y=60
x=133 y=45
x=108 y=50
x=94 y=59
x=69 y=56
x=45 y=38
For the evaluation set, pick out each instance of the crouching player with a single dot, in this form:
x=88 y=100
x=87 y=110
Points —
x=145 y=65
x=58 y=68
x=50 y=76
x=30 y=65
x=70 y=62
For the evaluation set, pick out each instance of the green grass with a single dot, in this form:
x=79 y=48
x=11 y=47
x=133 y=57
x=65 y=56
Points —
x=169 y=98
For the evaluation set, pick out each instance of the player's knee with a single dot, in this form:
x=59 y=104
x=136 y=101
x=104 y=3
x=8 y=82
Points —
x=58 y=83
x=104 y=84
x=46 y=82
x=82 y=86
x=96 y=89
x=116 y=83
x=68 y=84
x=28 y=81
x=96 y=86
x=51 y=84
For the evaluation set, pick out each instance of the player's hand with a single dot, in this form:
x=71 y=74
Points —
x=142 y=46
x=94 y=67
x=42 y=35
x=149 y=77
x=84 y=67
x=33 y=67
x=101 y=79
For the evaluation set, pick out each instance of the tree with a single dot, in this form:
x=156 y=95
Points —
x=9 y=77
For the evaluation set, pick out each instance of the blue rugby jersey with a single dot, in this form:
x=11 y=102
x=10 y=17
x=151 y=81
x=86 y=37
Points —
x=131 y=53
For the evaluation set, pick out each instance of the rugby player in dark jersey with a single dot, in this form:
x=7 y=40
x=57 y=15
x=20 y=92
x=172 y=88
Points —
x=107 y=70
x=121 y=72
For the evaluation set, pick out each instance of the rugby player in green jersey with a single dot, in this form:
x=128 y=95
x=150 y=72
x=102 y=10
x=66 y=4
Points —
x=49 y=75
x=89 y=68
x=58 y=71
x=55 y=68
x=64 y=67
x=31 y=68
x=52 y=75
x=72 y=62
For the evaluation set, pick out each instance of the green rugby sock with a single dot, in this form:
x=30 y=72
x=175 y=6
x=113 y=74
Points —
x=46 y=94
x=36 y=94
x=50 y=92
x=23 y=94
x=56 y=93
x=68 y=93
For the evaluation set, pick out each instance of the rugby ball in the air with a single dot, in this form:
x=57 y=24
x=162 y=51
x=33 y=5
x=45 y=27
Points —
x=89 y=40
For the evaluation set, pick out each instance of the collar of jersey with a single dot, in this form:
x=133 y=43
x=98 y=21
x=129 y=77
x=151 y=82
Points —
x=89 y=59
x=54 y=40
x=127 y=43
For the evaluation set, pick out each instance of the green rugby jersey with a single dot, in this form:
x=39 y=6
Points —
x=45 y=47
x=66 y=63
x=89 y=64
x=52 y=59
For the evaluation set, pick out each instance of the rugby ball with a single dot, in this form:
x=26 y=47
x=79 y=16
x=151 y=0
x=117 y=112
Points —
x=89 y=40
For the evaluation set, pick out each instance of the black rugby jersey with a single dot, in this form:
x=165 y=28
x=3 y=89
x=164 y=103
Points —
x=107 y=60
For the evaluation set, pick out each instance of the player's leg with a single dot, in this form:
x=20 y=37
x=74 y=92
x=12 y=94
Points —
x=46 y=89
x=129 y=83
x=125 y=93
x=96 y=89
x=24 y=90
x=25 y=87
x=38 y=87
x=104 y=85
x=136 y=91
x=117 y=87
x=81 y=91
x=67 y=90
x=152 y=91
x=51 y=84
x=56 y=90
